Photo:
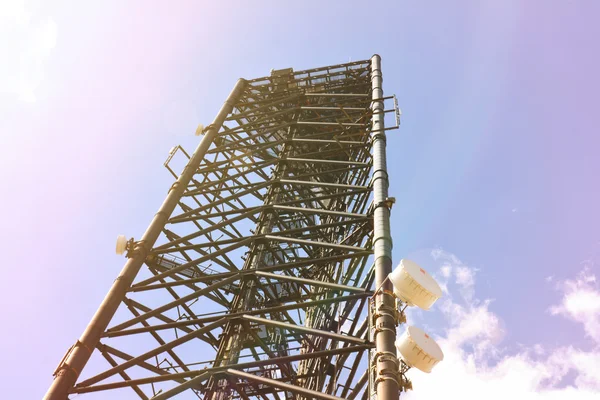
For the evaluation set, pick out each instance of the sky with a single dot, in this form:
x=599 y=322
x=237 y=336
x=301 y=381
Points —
x=494 y=167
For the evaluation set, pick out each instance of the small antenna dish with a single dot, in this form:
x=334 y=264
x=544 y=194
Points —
x=121 y=244
x=199 y=130
x=414 y=285
x=419 y=350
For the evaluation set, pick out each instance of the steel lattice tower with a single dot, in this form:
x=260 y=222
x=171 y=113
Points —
x=262 y=275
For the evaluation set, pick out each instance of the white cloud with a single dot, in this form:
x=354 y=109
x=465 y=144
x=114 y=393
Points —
x=464 y=276
x=581 y=302
x=538 y=349
x=25 y=44
x=446 y=270
x=475 y=365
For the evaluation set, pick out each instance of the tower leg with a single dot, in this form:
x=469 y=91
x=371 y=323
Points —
x=76 y=358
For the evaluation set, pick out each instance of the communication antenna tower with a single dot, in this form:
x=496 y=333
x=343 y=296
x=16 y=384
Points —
x=264 y=274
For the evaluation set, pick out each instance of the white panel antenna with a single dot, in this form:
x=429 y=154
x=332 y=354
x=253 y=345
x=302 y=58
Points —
x=418 y=349
x=414 y=286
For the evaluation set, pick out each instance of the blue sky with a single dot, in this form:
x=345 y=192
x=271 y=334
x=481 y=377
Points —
x=494 y=168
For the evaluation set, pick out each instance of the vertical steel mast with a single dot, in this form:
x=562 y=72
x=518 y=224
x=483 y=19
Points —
x=254 y=280
x=385 y=360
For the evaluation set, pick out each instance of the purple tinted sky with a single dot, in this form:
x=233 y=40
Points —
x=497 y=158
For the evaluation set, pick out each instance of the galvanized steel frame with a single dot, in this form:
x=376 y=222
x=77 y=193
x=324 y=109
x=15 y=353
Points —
x=283 y=180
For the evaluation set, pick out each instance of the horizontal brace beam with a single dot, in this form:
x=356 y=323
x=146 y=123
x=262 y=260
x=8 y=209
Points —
x=223 y=188
x=198 y=321
x=311 y=394
x=319 y=211
x=322 y=184
x=189 y=374
x=317 y=141
x=347 y=95
x=308 y=228
x=366 y=109
x=341 y=108
x=197 y=213
x=331 y=123
x=324 y=161
x=304 y=329
x=311 y=282
x=337 y=94
x=313 y=243
x=245 y=212
x=278 y=267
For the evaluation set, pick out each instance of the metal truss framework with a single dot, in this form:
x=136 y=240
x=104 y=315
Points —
x=254 y=279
